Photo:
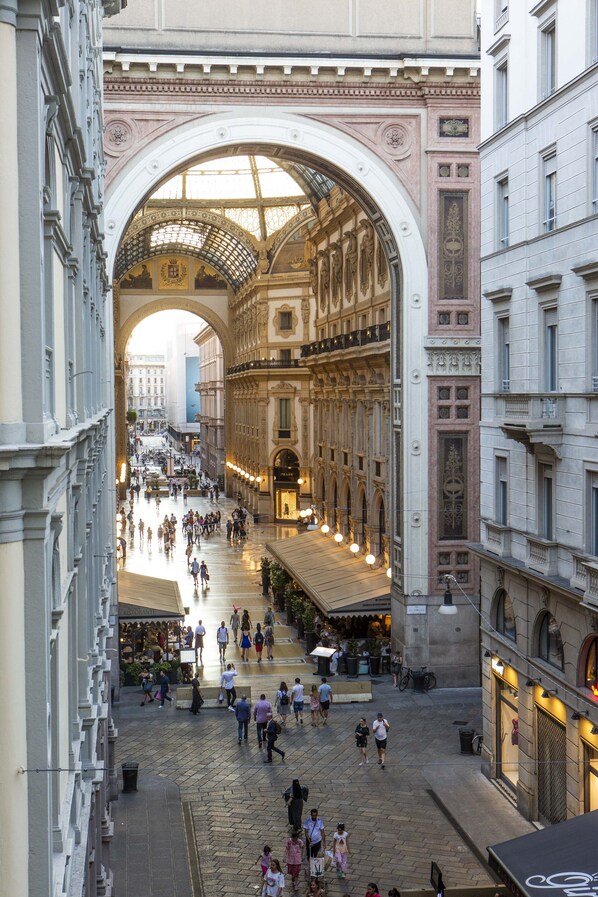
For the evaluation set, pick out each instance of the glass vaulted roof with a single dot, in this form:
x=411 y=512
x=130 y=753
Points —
x=254 y=192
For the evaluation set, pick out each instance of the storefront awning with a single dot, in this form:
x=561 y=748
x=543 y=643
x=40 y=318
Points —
x=148 y=598
x=559 y=861
x=338 y=583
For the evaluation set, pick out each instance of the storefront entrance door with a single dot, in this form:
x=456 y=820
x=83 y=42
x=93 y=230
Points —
x=552 y=769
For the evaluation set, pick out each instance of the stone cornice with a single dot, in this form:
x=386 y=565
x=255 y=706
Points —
x=118 y=87
x=304 y=67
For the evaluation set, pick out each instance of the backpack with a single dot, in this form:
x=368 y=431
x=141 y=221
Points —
x=304 y=792
x=259 y=638
x=284 y=699
x=278 y=728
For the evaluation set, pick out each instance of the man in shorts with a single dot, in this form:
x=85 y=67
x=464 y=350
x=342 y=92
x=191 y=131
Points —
x=200 y=631
x=325 y=693
x=297 y=698
x=380 y=729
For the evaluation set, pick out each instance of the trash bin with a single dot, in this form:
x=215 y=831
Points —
x=418 y=680
x=466 y=740
x=130 y=770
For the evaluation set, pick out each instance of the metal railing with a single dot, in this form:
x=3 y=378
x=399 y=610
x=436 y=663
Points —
x=377 y=333
x=263 y=364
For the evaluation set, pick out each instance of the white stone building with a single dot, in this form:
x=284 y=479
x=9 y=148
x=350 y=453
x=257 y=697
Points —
x=146 y=394
x=57 y=460
x=210 y=387
x=539 y=458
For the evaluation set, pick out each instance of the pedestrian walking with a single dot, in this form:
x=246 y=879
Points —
x=258 y=642
x=314 y=706
x=264 y=859
x=227 y=682
x=380 y=729
x=283 y=702
x=149 y=538
x=272 y=732
x=222 y=641
x=146 y=687
x=294 y=854
x=341 y=850
x=269 y=641
x=295 y=795
x=315 y=833
x=245 y=643
x=297 y=697
x=141 y=530
x=325 y=693
x=188 y=553
x=200 y=631
x=194 y=572
x=204 y=575
x=361 y=740
x=261 y=710
x=274 y=881
x=164 y=689
x=235 y=622
x=243 y=715
x=246 y=621
x=197 y=699
x=396 y=667
x=269 y=617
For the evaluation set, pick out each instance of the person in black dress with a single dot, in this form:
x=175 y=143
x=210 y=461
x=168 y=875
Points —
x=197 y=698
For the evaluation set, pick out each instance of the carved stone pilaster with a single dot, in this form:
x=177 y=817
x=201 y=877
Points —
x=454 y=362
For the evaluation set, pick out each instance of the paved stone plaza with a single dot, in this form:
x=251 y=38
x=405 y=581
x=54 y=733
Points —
x=234 y=802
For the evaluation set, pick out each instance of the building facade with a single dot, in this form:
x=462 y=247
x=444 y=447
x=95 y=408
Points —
x=539 y=407
x=210 y=387
x=146 y=392
x=398 y=135
x=57 y=461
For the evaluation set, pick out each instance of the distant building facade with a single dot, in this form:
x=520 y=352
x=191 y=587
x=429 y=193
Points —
x=146 y=390
x=539 y=470
x=210 y=388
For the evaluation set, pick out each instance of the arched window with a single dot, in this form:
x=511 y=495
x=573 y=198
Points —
x=591 y=667
x=505 y=615
x=286 y=467
x=550 y=644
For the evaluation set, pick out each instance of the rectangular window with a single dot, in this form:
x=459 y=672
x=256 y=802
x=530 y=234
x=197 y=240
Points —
x=593 y=542
x=551 y=348
x=595 y=169
x=284 y=418
x=545 y=501
x=594 y=348
x=504 y=355
x=284 y=355
x=285 y=320
x=502 y=492
x=502 y=201
x=549 y=199
x=548 y=60
x=502 y=94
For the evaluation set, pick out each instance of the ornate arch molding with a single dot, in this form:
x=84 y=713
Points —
x=175 y=303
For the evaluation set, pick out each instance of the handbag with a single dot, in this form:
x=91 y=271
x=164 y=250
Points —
x=221 y=697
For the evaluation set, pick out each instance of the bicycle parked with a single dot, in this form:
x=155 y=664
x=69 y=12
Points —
x=410 y=675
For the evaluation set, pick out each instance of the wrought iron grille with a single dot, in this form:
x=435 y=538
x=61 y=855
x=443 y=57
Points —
x=552 y=769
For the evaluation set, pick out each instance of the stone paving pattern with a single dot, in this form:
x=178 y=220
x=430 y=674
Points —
x=395 y=826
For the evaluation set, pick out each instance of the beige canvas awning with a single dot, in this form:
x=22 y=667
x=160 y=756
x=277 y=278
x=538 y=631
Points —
x=148 y=598
x=338 y=583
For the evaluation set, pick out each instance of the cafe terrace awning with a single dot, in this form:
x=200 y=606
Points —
x=559 y=861
x=145 y=598
x=340 y=584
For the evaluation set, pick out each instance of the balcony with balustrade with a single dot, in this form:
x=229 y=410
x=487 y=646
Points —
x=533 y=419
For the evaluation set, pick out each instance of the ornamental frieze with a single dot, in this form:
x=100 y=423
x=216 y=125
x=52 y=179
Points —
x=462 y=362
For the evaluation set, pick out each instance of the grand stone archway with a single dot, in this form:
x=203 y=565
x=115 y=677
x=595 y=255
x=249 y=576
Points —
x=355 y=167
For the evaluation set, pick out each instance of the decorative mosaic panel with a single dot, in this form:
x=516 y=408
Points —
x=453 y=127
x=452 y=245
x=452 y=485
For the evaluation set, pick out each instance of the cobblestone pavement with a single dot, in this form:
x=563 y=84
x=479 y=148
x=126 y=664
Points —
x=396 y=827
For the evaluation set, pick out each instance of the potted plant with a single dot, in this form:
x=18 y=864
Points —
x=278 y=580
x=352 y=658
x=289 y=604
x=265 y=571
x=311 y=636
x=374 y=648
x=298 y=607
x=132 y=672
